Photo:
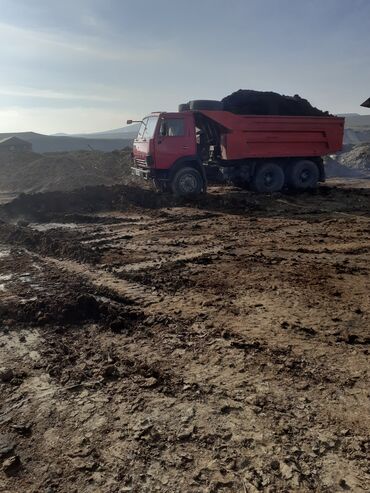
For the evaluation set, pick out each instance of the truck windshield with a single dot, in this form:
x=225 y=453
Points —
x=147 y=128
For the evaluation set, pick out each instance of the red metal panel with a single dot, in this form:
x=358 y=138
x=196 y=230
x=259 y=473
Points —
x=296 y=136
x=248 y=136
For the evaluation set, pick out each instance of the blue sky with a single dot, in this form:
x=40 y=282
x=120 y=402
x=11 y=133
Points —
x=86 y=65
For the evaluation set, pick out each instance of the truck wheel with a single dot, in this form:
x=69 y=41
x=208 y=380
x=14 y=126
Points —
x=268 y=177
x=206 y=104
x=186 y=182
x=303 y=175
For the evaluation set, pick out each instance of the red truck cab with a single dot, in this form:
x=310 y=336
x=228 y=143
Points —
x=165 y=142
x=265 y=153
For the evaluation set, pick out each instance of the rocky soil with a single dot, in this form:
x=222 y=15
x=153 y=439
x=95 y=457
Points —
x=352 y=162
x=148 y=344
x=356 y=157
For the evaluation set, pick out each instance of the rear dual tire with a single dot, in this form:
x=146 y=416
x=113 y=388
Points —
x=300 y=175
x=268 y=178
x=303 y=175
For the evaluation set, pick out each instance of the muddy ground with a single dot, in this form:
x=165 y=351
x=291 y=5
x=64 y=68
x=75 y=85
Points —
x=151 y=345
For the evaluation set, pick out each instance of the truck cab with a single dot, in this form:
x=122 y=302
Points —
x=166 y=150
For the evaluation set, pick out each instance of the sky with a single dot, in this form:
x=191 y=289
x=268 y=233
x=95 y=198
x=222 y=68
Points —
x=88 y=65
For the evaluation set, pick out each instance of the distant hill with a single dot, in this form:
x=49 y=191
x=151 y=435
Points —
x=128 y=132
x=54 y=143
x=354 y=120
x=357 y=128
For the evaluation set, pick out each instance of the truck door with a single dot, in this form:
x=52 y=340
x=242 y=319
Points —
x=175 y=139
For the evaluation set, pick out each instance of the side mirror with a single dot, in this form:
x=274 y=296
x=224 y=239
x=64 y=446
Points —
x=163 y=130
x=129 y=122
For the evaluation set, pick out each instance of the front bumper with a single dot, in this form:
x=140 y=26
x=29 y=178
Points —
x=146 y=174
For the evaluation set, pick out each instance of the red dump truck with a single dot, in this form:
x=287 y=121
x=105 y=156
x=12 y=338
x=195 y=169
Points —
x=264 y=153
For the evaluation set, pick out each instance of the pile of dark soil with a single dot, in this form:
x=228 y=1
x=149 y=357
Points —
x=64 y=206
x=48 y=205
x=52 y=242
x=31 y=172
x=249 y=102
x=70 y=309
x=77 y=302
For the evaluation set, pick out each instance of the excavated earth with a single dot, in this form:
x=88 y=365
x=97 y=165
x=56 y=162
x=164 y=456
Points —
x=148 y=344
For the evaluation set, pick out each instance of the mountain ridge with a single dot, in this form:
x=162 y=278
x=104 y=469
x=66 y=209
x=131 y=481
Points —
x=51 y=143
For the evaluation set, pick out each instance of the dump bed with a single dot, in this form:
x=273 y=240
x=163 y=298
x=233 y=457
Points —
x=248 y=136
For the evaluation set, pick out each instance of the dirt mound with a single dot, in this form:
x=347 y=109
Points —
x=356 y=157
x=30 y=172
x=52 y=242
x=334 y=168
x=48 y=205
x=249 y=102
x=78 y=305
x=352 y=162
x=60 y=205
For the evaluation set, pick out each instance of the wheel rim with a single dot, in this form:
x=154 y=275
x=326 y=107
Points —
x=305 y=176
x=188 y=183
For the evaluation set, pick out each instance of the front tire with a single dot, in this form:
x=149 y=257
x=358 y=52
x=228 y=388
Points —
x=303 y=175
x=268 y=178
x=187 y=182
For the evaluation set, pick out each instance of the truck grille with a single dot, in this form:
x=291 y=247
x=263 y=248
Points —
x=141 y=163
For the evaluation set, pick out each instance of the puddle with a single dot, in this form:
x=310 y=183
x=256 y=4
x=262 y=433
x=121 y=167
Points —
x=5 y=277
x=48 y=226
x=25 y=277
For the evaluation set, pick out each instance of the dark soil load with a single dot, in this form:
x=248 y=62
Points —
x=249 y=102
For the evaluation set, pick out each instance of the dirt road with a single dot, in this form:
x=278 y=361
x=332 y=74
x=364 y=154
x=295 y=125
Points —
x=148 y=345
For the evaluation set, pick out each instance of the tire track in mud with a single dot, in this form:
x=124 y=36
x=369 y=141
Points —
x=141 y=294
x=100 y=278
x=209 y=391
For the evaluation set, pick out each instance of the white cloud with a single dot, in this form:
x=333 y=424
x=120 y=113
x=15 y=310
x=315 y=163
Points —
x=50 y=94
x=97 y=47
